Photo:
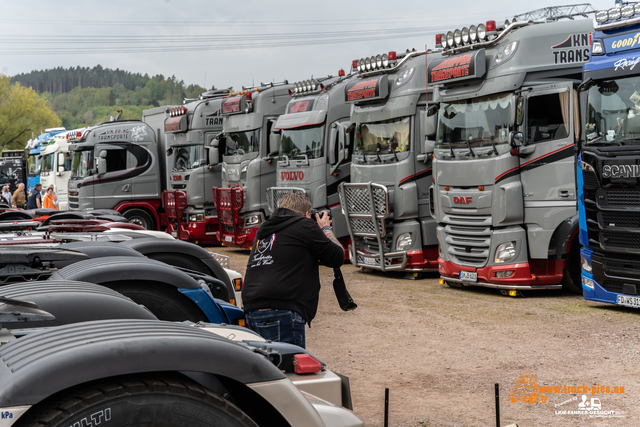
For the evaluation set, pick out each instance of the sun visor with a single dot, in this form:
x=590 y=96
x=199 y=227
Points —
x=394 y=107
x=242 y=122
x=296 y=120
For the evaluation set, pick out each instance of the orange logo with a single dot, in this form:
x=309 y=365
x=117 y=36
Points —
x=526 y=389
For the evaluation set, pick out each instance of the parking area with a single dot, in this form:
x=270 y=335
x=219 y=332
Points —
x=441 y=350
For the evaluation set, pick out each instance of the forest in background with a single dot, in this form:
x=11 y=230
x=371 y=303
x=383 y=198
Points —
x=85 y=96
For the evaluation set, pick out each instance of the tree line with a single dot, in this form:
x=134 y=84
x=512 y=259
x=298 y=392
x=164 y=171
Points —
x=83 y=96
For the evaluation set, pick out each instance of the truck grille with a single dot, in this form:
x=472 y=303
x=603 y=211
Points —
x=274 y=194
x=620 y=240
x=468 y=245
x=590 y=179
x=617 y=197
x=608 y=219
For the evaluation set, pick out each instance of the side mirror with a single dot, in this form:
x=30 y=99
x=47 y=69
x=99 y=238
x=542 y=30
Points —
x=169 y=151
x=214 y=156
x=332 y=144
x=517 y=139
x=519 y=110
x=430 y=121
x=102 y=163
x=427 y=146
x=274 y=144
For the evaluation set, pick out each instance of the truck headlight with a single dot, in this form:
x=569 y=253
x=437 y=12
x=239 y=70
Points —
x=252 y=220
x=505 y=252
x=588 y=283
x=244 y=169
x=196 y=217
x=233 y=173
x=403 y=241
x=585 y=263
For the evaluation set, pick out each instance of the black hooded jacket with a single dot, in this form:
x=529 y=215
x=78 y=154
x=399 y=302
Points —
x=282 y=272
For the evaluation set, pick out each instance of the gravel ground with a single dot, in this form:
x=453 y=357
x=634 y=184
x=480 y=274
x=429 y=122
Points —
x=441 y=350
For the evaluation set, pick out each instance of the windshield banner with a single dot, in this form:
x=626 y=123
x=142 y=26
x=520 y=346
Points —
x=234 y=105
x=300 y=106
x=367 y=89
x=460 y=67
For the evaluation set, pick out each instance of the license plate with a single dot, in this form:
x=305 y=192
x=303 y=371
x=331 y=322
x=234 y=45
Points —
x=228 y=238
x=628 y=301
x=174 y=234
x=370 y=261
x=470 y=276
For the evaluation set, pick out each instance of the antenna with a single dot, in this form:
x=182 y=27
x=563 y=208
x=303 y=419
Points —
x=205 y=81
x=555 y=13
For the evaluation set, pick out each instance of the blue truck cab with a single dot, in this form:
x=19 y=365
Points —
x=608 y=160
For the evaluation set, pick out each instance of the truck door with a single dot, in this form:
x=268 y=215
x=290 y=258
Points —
x=546 y=163
x=114 y=184
x=143 y=162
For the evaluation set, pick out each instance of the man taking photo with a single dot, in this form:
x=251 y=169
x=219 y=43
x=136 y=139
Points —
x=282 y=282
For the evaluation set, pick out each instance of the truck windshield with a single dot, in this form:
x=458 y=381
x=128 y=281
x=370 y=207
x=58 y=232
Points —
x=34 y=164
x=81 y=163
x=302 y=141
x=47 y=163
x=188 y=157
x=387 y=136
x=613 y=112
x=239 y=143
x=476 y=122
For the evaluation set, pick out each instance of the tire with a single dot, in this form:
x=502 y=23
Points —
x=165 y=302
x=140 y=217
x=144 y=401
x=571 y=275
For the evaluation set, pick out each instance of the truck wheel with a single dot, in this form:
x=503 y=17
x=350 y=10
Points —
x=140 y=217
x=164 y=302
x=144 y=401
x=571 y=275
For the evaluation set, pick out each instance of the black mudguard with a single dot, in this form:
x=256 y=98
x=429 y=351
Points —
x=98 y=250
x=125 y=268
x=560 y=239
x=16 y=216
x=72 y=302
x=41 y=364
x=181 y=254
x=66 y=215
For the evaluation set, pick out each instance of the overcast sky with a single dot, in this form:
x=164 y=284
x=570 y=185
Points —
x=230 y=43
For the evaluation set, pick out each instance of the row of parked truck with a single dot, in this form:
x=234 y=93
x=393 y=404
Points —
x=459 y=160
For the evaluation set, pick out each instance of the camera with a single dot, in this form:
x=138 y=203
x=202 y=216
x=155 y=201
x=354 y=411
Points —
x=314 y=212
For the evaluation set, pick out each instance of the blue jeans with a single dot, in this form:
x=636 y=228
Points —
x=277 y=325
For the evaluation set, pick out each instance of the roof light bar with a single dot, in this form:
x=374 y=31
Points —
x=308 y=86
x=626 y=15
x=375 y=62
x=481 y=34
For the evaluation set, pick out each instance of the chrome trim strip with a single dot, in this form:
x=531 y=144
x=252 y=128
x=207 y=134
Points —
x=497 y=286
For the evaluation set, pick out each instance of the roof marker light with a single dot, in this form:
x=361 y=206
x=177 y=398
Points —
x=491 y=27
x=450 y=39
x=627 y=11
x=354 y=64
x=438 y=41
x=385 y=60
x=614 y=14
x=482 y=32
x=392 y=56
x=305 y=364
x=341 y=73
x=473 y=34
x=465 y=35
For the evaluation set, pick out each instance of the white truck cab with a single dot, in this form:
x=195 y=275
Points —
x=56 y=165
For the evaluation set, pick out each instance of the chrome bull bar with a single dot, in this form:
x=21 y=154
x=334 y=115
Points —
x=274 y=194
x=365 y=207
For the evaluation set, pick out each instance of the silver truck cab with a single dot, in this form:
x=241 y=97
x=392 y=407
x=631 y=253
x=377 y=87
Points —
x=194 y=169
x=504 y=175
x=120 y=166
x=316 y=145
x=248 y=160
x=387 y=201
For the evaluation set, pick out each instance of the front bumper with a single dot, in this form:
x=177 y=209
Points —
x=521 y=279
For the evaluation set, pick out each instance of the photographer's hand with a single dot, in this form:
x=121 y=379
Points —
x=324 y=222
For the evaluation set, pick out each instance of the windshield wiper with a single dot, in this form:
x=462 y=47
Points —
x=378 y=146
x=469 y=146
x=453 y=155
